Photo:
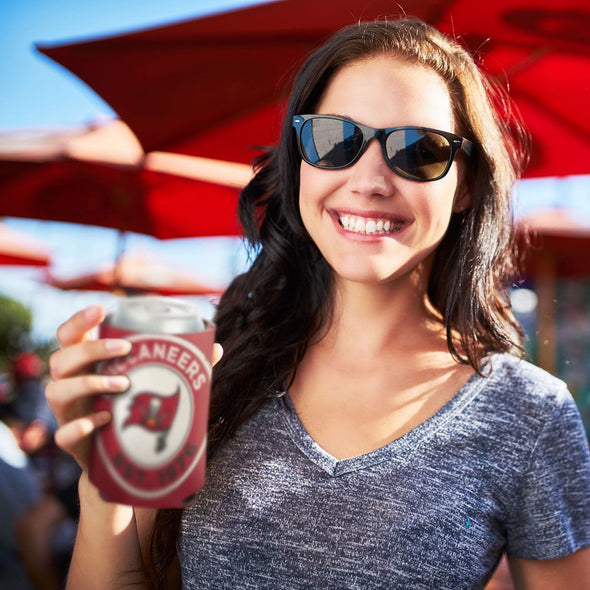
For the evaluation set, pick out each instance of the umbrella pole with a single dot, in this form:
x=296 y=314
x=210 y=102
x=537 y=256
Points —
x=545 y=278
x=118 y=287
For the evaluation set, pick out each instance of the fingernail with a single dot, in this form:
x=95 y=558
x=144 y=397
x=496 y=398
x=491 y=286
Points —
x=119 y=346
x=101 y=418
x=92 y=313
x=118 y=382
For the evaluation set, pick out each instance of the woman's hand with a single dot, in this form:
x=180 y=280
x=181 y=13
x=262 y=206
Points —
x=74 y=382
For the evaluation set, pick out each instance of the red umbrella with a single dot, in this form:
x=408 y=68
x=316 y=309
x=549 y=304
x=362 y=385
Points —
x=211 y=86
x=18 y=249
x=99 y=175
x=136 y=272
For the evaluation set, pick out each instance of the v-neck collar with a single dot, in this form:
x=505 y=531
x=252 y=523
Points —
x=401 y=448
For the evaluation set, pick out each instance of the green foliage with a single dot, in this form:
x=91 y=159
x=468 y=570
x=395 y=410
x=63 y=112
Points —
x=15 y=325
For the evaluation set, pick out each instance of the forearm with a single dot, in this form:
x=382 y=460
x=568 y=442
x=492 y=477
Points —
x=107 y=551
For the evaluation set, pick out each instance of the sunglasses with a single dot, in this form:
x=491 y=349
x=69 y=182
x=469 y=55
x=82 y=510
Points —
x=416 y=153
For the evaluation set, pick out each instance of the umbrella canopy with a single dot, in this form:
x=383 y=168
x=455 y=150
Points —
x=212 y=86
x=99 y=175
x=136 y=272
x=19 y=249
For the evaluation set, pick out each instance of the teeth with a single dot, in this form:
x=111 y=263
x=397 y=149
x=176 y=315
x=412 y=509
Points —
x=362 y=225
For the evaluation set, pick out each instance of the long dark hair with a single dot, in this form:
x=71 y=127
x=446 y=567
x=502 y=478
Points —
x=269 y=315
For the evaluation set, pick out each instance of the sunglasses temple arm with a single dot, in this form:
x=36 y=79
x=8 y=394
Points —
x=467 y=146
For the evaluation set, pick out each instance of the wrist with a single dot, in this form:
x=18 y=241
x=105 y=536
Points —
x=95 y=508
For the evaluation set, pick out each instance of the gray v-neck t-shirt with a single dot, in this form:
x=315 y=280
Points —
x=504 y=466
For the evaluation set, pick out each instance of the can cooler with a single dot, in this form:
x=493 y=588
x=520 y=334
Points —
x=153 y=451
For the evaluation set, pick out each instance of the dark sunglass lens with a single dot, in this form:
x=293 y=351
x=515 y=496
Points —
x=418 y=154
x=330 y=143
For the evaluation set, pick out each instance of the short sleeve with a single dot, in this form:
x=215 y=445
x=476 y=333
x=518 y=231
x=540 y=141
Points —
x=551 y=517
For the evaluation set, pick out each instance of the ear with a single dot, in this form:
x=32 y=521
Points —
x=463 y=198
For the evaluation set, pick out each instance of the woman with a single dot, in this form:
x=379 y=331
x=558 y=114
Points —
x=371 y=424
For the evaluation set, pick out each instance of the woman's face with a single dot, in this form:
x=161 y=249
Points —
x=383 y=91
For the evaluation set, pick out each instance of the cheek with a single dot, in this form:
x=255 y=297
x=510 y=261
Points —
x=314 y=187
x=310 y=181
x=305 y=182
x=436 y=206
x=305 y=197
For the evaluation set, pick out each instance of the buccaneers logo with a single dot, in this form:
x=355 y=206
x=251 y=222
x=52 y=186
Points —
x=155 y=413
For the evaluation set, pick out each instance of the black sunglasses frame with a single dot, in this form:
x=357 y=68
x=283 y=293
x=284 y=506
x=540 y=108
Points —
x=456 y=143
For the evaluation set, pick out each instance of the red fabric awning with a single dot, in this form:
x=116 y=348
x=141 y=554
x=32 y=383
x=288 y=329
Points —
x=213 y=86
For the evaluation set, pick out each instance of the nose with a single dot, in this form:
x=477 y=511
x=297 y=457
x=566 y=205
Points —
x=370 y=175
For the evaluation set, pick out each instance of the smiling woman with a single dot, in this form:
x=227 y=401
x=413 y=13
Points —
x=372 y=422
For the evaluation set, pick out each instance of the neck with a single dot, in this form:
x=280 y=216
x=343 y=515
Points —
x=392 y=316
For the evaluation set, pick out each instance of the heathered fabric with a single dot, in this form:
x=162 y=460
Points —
x=503 y=466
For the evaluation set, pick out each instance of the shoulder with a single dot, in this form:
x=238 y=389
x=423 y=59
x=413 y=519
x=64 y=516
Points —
x=526 y=409
x=542 y=438
x=517 y=372
x=518 y=386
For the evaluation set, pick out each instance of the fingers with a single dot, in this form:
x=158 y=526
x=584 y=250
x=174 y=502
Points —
x=72 y=433
x=75 y=433
x=74 y=382
x=71 y=403
x=62 y=394
x=77 y=328
x=76 y=358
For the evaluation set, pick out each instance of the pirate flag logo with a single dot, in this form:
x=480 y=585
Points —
x=155 y=413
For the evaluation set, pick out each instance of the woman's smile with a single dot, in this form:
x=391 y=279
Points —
x=367 y=225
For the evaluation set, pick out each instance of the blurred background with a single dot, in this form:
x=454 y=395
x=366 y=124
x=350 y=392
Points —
x=128 y=128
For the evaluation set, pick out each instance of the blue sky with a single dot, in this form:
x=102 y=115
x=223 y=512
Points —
x=35 y=92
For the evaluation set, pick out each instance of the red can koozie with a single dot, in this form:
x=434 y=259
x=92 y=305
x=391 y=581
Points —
x=153 y=451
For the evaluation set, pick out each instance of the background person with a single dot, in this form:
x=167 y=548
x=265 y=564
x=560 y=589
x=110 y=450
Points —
x=32 y=517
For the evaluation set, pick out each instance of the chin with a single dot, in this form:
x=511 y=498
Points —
x=368 y=274
x=365 y=276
